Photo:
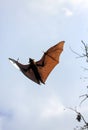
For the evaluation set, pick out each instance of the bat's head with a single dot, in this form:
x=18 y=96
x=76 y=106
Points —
x=31 y=60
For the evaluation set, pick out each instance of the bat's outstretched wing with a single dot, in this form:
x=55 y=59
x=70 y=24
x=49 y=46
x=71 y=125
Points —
x=24 y=69
x=49 y=60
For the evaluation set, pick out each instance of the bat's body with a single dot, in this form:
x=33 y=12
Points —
x=33 y=65
x=39 y=71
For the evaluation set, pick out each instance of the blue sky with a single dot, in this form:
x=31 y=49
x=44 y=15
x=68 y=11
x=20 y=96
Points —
x=27 y=28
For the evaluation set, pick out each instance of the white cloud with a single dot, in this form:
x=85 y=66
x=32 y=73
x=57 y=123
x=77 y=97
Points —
x=67 y=12
x=78 y=2
x=47 y=6
x=55 y=6
x=79 y=6
x=53 y=108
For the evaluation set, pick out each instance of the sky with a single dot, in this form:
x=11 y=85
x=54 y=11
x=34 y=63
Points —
x=27 y=29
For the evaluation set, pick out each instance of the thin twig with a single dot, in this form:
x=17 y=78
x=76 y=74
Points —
x=84 y=98
x=80 y=56
x=83 y=54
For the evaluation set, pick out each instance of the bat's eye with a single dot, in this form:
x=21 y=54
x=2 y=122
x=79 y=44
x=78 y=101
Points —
x=14 y=64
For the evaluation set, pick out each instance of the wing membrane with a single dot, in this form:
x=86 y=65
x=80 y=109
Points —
x=50 y=59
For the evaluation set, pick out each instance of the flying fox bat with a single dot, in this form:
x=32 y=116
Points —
x=39 y=71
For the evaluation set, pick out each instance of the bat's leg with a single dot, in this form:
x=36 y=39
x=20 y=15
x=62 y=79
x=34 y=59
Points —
x=38 y=77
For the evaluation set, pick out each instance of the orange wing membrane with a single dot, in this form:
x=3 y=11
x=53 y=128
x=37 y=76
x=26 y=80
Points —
x=40 y=70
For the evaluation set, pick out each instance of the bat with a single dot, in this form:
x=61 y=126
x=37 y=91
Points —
x=39 y=71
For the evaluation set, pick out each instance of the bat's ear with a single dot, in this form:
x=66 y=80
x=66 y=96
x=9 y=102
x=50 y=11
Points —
x=14 y=63
x=31 y=60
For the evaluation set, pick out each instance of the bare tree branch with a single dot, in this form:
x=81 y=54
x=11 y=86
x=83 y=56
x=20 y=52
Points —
x=86 y=96
x=79 y=56
x=83 y=54
x=79 y=118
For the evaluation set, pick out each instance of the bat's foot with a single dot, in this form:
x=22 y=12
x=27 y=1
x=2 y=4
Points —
x=42 y=82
